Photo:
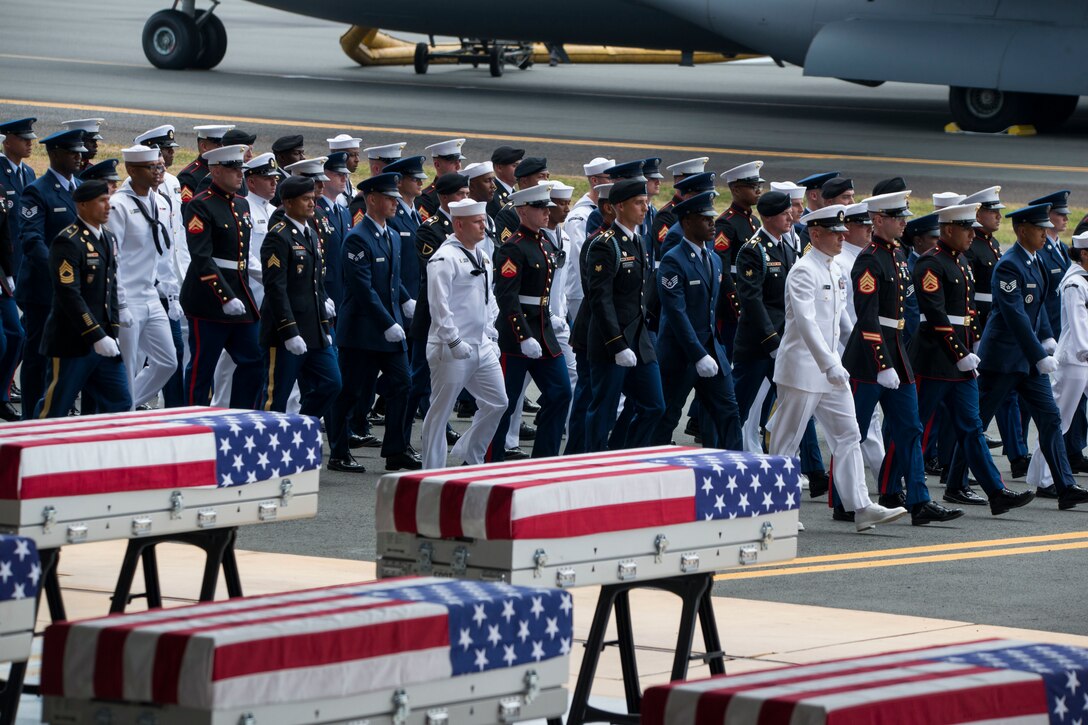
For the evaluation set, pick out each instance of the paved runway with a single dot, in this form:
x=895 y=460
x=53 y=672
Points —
x=284 y=71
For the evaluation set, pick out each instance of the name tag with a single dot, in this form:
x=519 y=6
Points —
x=380 y=259
x=406 y=234
x=695 y=281
x=1031 y=284
x=60 y=209
x=10 y=192
x=1055 y=271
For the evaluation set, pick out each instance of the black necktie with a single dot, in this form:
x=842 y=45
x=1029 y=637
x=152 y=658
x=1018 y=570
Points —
x=706 y=264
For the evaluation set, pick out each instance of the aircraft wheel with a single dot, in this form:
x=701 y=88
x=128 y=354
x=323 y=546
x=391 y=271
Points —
x=496 y=61
x=171 y=40
x=987 y=110
x=421 y=59
x=213 y=41
x=1050 y=111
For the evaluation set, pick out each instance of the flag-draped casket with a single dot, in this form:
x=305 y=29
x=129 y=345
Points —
x=597 y=518
x=20 y=580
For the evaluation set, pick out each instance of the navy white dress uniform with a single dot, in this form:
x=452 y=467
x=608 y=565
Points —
x=47 y=208
x=1014 y=356
x=81 y=330
x=344 y=143
x=688 y=349
x=1055 y=258
x=427 y=202
x=491 y=238
x=144 y=266
x=370 y=333
x=736 y=225
x=215 y=294
x=462 y=349
x=526 y=264
x=192 y=176
x=577 y=232
x=295 y=327
x=814 y=382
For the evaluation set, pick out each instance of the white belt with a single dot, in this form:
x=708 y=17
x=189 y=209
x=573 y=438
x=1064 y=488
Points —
x=889 y=322
x=952 y=319
x=225 y=263
x=984 y=297
x=733 y=269
x=537 y=301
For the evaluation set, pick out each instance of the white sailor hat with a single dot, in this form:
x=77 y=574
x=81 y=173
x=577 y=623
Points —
x=226 y=156
x=140 y=154
x=989 y=198
x=946 y=199
x=343 y=141
x=88 y=125
x=602 y=191
x=559 y=190
x=691 y=166
x=745 y=173
x=796 y=192
x=263 y=165
x=389 y=151
x=161 y=136
x=533 y=196
x=310 y=168
x=1080 y=241
x=856 y=213
x=961 y=214
x=478 y=169
x=598 y=166
x=468 y=207
x=447 y=148
x=212 y=132
x=894 y=204
x=830 y=217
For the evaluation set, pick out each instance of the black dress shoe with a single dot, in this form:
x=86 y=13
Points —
x=452 y=437
x=526 y=432
x=932 y=512
x=8 y=412
x=465 y=409
x=1004 y=500
x=376 y=418
x=992 y=442
x=1019 y=466
x=964 y=497
x=412 y=451
x=1080 y=465
x=515 y=454
x=367 y=441
x=1050 y=491
x=818 y=484
x=347 y=465
x=841 y=514
x=529 y=406
x=1072 y=496
x=15 y=395
x=692 y=428
x=405 y=460
x=893 y=500
x=379 y=407
x=934 y=467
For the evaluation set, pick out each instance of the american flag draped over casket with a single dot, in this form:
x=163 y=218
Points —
x=992 y=681
x=301 y=646
x=20 y=580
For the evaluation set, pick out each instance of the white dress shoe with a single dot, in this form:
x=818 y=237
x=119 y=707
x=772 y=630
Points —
x=874 y=514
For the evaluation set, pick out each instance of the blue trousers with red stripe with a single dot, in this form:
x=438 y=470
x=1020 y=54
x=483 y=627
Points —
x=207 y=340
x=962 y=400
x=551 y=376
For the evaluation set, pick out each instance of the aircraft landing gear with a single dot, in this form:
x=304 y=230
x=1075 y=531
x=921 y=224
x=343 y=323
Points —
x=176 y=39
x=992 y=111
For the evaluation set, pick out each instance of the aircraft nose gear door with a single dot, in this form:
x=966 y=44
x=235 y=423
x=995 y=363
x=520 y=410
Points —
x=177 y=39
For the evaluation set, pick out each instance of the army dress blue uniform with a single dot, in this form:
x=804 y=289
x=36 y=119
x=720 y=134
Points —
x=579 y=343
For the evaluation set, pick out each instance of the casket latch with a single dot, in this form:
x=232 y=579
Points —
x=400 y=707
x=247 y=719
x=77 y=533
x=177 y=505
x=49 y=518
x=285 y=491
x=510 y=709
x=438 y=716
x=141 y=526
x=425 y=560
x=459 y=564
x=661 y=545
x=689 y=563
x=532 y=686
x=540 y=560
x=768 y=535
x=627 y=570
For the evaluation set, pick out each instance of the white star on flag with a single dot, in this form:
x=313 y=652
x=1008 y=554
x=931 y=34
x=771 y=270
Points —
x=564 y=645
x=768 y=502
x=743 y=502
x=224 y=446
x=481 y=659
x=553 y=627
x=466 y=639
x=1060 y=708
x=732 y=485
x=5 y=571
x=296 y=439
x=493 y=635
x=22 y=549
x=250 y=445
x=523 y=630
x=1071 y=681
x=566 y=604
x=478 y=614
x=707 y=485
x=508 y=655
x=508 y=610
x=538 y=607
x=755 y=484
x=538 y=651
x=719 y=503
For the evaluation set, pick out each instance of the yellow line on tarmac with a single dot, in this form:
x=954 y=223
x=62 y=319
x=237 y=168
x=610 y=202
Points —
x=592 y=143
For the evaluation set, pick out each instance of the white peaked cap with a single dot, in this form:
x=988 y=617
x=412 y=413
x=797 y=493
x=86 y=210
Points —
x=691 y=166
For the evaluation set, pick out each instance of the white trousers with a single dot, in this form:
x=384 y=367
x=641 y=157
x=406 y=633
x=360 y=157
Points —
x=834 y=412
x=481 y=375
x=149 y=339
x=1069 y=383
x=872 y=448
x=224 y=379
x=750 y=432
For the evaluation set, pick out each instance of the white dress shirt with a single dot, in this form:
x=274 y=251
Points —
x=140 y=262
x=462 y=304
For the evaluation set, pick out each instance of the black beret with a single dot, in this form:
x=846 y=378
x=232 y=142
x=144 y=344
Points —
x=90 y=190
x=286 y=143
x=890 y=186
x=530 y=165
x=450 y=183
x=507 y=155
x=237 y=136
x=295 y=186
x=626 y=189
x=772 y=203
x=836 y=186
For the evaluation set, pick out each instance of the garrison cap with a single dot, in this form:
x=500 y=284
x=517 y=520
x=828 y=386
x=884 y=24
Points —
x=625 y=189
x=651 y=168
x=238 y=136
x=626 y=170
x=287 y=143
x=106 y=170
x=989 y=198
x=890 y=186
x=313 y=168
x=160 y=136
x=699 y=204
x=530 y=165
x=89 y=126
x=212 y=132
x=598 y=166
x=468 y=207
x=538 y=196
x=696 y=183
x=603 y=190
x=263 y=165
x=140 y=154
x=893 y=204
x=447 y=149
x=450 y=183
x=507 y=155
x=835 y=187
x=337 y=162
x=343 y=141
x=772 y=203
x=481 y=168
x=385 y=183
x=857 y=214
x=744 y=174
x=90 y=190
x=815 y=181
x=408 y=166
x=389 y=152
x=1036 y=215
x=295 y=186
x=946 y=199
x=928 y=225
x=960 y=214
x=795 y=191
x=691 y=166
x=71 y=140
x=22 y=127
x=830 y=218
x=226 y=156
x=1059 y=201
x=1080 y=241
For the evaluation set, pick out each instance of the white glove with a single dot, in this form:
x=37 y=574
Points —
x=11 y=284
x=837 y=375
x=531 y=348
x=107 y=347
x=394 y=334
x=330 y=308
x=125 y=318
x=408 y=307
x=626 y=358
x=461 y=351
x=968 y=362
x=234 y=307
x=707 y=367
x=558 y=323
x=888 y=379
x=173 y=309
x=1050 y=345
x=1047 y=365
x=329 y=338
x=295 y=345
x=1083 y=355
